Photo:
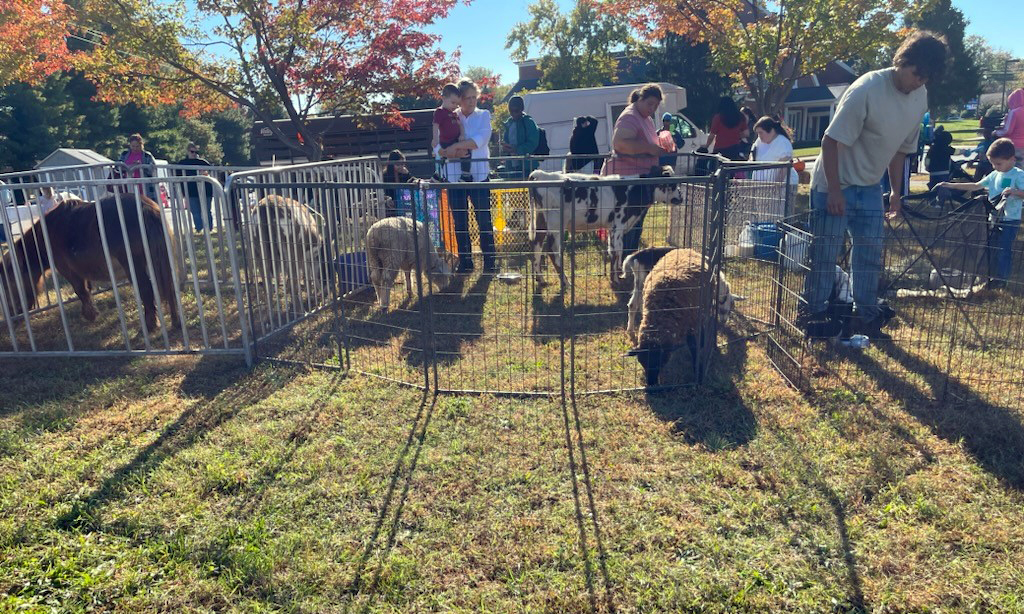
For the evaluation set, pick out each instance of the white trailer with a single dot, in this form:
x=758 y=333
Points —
x=556 y=111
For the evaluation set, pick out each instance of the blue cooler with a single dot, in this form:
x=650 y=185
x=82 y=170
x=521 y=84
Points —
x=353 y=273
x=767 y=237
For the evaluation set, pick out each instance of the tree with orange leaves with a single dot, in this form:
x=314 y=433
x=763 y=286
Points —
x=304 y=57
x=767 y=46
x=32 y=34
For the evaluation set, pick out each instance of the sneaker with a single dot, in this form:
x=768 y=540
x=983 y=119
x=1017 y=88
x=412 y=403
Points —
x=872 y=329
x=819 y=325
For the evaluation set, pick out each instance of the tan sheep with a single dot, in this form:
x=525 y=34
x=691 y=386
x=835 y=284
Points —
x=288 y=248
x=390 y=248
x=672 y=312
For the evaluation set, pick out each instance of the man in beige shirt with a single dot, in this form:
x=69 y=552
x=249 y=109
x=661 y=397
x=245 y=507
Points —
x=874 y=128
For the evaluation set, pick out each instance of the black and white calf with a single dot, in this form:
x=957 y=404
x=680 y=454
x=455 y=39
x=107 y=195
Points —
x=616 y=208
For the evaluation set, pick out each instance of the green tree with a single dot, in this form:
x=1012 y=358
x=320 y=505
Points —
x=25 y=136
x=963 y=79
x=306 y=56
x=202 y=133
x=995 y=65
x=58 y=112
x=768 y=46
x=494 y=91
x=674 y=59
x=575 y=47
x=234 y=131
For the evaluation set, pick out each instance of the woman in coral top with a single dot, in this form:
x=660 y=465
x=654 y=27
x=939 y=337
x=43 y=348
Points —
x=635 y=149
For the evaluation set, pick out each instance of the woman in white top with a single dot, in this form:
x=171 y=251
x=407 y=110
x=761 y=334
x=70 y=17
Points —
x=773 y=144
x=477 y=123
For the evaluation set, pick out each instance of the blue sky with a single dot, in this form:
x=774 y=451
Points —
x=480 y=29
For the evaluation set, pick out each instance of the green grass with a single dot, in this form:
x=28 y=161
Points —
x=186 y=485
x=965 y=132
x=807 y=152
x=196 y=485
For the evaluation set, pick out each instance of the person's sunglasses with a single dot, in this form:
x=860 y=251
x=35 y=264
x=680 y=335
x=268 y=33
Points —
x=195 y=151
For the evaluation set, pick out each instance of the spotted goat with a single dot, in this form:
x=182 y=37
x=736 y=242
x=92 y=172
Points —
x=615 y=208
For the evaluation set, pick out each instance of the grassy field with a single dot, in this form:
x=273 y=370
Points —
x=196 y=485
x=184 y=485
x=965 y=132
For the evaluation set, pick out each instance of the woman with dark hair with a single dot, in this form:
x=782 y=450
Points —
x=584 y=141
x=635 y=148
x=397 y=171
x=773 y=144
x=728 y=127
x=635 y=145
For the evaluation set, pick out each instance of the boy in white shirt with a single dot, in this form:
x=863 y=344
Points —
x=1007 y=181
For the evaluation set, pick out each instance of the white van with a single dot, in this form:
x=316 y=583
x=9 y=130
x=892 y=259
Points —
x=556 y=111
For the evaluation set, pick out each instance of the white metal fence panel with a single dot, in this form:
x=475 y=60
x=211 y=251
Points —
x=147 y=280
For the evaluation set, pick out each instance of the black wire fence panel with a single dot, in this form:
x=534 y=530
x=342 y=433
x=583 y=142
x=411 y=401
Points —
x=479 y=310
x=517 y=286
x=951 y=284
x=756 y=199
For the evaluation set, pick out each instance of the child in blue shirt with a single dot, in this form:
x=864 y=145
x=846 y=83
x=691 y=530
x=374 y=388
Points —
x=1008 y=181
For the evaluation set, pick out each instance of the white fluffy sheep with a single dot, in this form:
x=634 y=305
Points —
x=390 y=247
x=671 y=309
x=288 y=245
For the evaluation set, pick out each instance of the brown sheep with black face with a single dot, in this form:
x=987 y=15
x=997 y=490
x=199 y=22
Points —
x=672 y=311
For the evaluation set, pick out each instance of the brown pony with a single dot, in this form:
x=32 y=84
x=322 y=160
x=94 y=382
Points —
x=73 y=229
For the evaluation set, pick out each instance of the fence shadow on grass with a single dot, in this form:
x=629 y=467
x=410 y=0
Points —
x=992 y=434
x=26 y=383
x=211 y=375
x=458 y=319
x=401 y=482
x=810 y=475
x=715 y=414
x=223 y=553
x=191 y=424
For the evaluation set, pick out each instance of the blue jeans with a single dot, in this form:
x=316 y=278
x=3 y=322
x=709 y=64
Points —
x=195 y=205
x=1000 y=244
x=864 y=221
